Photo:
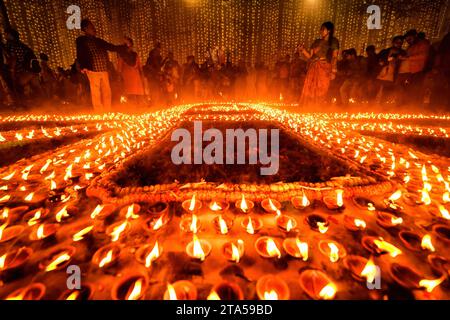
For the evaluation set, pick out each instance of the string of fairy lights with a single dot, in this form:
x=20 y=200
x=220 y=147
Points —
x=252 y=30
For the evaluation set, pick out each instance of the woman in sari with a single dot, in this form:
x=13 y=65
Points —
x=322 y=65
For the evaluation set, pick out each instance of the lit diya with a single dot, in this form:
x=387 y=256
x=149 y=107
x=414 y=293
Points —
x=364 y=203
x=65 y=213
x=222 y=223
x=149 y=253
x=34 y=199
x=35 y=216
x=218 y=206
x=353 y=223
x=44 y=231
x=102 y=211
x=86 y=292
x=413 y=241
x=335 y=200
x=117 y=230
x=233 y=250
x=286 y=223
x=12 y=214
x=301 y=203
x=252 y=225
x=57 y=259
x=441 y=212
x=271 y=205
x=15 y=259
x=34 y=291
x=130 y=288
x=317 y=285
x=271 y=287
x=378 y=246
x=439 y=264
x=387 y=220
x=227 y=291
x=267 y=247
x=190 y=223
x=296 y=248
x=198 y=249
x=130 y=212
x=244 y=205
x=82 y=232
x=154 y=224
x=9 y=233
x=317 y=223
x=443 y=232
x=106 y=256
x=392 y=202
x=332 y=249
x=159 y=208
x=181 y=290
x=192 y=205
x=411 y=279
x=362 y=269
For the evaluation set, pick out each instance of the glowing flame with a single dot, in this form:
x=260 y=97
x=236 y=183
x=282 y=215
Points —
x=194 y=224
x=270 y=295
x=243 y=204
x=249 y=228
x=153 y=255
x=40 y=232
x=2 y=261
x=386 y=246
x=334 y=252
x=305 y=201
x=370 y=271
x=289 y=225
x=29 y=197
x=446 y=197
x=192 y=203
x=34 y=220
x=62 y=214
x=98 y=209
x=68 y=172
x=130 y=213
x=425 y=197
x=171 y=291
x=73 y=296
x=429 y=285
x=223 y=225
x=53 y=185
x=158 y=224
x=339 y=198
x=302 y=248
x=328 y=292
x=117 y=231
x=213 y=296
x=396 y=195
x=2 y=227
x=135 y=291
x=9 y=177
x=272 y=206
x=57 y=261
x=323 y=228
x=359 y=223
x=5 y=198
x=80 y=234
x=427 y=244
x=215 y=206
x=396 y=220
x=197 y=249
x=444 y=212
x=5 y=213
x=106 y=259
x=272 y=249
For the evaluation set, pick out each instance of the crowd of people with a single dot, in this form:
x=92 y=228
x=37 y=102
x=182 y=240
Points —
x=412 y=71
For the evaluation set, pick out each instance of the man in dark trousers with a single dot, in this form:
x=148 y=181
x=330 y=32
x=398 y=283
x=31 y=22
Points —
x=92 y=55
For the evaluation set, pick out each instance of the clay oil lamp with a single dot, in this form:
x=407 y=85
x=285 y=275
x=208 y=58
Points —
x=441 y=212
x=387 y=220
x=252 y=225
x=65 y=213
x=44 y=232
x=34 y=291
x=57 y=259
x=130 y=212
x=412 y=199
x=378 y=246
x=317 y=285
x=354 y=224
x=391 y=203
x=271 y=287
x=334 y=201
x=332 y=249
x=226 y=291
x=130 y=288
x=35 y=216
x=271 y=206
x=158 y=209
x=34 y=199
x=12 y=214
x=181 y=290
x=267 y=248
x=147 y=254
x=155 y=223
x=118 y=230
x=411 y=240
x=244 y=206
x=439 y=264
x=102 y=211
x=192 y=206
x=364 y=204
x=233 y=250
x=286 y=223
x=411 y=279
x=296 y=248
x=82 y=232
x=222 y=224
x=219 y=207
x=190 y=223
x=15 y=259
x=362 y=269
x=301 y=203
x=198 y=249
x=106 y=256
x=317 y=223
x=442 y=232
x=10 y=233
x=86 y=292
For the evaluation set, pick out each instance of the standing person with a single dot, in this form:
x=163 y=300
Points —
x=443 y=67
x=371 y=72
x=322 y=66
x=152 y=72
x=92 y=55
x=130 y=68
x=48 y=77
